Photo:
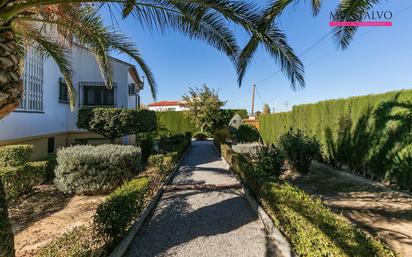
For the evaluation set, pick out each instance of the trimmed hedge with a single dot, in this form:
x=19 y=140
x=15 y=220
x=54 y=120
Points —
x=116 y=214
x=15 y=155
x=246 y=134
x=163 y=163
x=95 y=169
x=20 y=180
x=116 y=122
x=6 y=234
x=313 y=229
x=177 y=122
x=362 y=133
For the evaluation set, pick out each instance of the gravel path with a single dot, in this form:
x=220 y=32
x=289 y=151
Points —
x=202 y=222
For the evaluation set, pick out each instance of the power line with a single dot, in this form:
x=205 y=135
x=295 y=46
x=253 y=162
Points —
x=323 y=38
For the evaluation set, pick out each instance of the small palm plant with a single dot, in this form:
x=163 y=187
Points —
x=25 y=23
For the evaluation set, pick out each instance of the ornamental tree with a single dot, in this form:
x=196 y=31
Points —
x=204 y=105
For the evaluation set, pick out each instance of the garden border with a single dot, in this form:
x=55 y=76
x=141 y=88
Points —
x=283 y=247
x=122 y=247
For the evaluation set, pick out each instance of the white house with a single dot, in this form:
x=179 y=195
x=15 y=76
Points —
x=44 y=118
x=168 y=106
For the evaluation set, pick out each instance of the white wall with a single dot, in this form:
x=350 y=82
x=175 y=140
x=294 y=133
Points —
x=57 y=117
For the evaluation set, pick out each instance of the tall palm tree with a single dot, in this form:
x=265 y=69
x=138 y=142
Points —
x=23 y=22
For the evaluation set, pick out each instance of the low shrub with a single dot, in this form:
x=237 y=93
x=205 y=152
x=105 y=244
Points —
x=20 y=180
x=146 y=144
x=313 y=229
x=270 y=162
x=246 y=134
x=251 y=149
x=163 y=163
x=200 y=136
x=50 y=163
x=78 y=242
x=227 y=152
x=15 y=155
x=222 y=135
x=116 y=214
x=6 y=234
x=300 y=149
x=95 y=169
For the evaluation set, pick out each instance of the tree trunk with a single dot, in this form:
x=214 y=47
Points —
x=11 y=87
x=6 y=235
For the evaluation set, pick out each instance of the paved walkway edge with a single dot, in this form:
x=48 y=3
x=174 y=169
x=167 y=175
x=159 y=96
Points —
x=122 y=247
x=283 y=248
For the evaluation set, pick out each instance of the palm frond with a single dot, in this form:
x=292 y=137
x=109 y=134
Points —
x=121 y=44
x=350 y=10
x=50 y=47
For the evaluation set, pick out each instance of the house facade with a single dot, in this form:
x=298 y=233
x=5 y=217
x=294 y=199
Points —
x=163 y=106
x=44 y=118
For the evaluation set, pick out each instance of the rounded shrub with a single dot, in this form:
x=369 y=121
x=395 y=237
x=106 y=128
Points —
x=90 y=169
x=6 y=234
x=300 y=149
x=200 y=136
x=247 y=134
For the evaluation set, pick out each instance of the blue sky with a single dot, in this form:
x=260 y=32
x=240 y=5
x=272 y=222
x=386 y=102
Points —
x=378 y=60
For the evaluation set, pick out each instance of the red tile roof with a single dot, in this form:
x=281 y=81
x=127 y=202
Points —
x=166 y=103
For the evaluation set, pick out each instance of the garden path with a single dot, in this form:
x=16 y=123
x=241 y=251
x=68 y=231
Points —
x=211 y=222
x=381 y=210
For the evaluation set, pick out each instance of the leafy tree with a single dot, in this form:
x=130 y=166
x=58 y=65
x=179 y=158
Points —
x=116 y=122
x=204 y=105
x=24 y=23
x=266 y=109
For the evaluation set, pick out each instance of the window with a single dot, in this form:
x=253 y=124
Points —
x=63 y=93
x=32 y=99
x=132 y=89
x=50 y=145
x=97 y=94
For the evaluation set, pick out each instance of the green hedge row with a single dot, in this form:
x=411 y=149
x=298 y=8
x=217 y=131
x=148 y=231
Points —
x=117 y=213
x=18 y=174
x=15 y=155
x=317 y=117
x=177 y=122
x=365 y=133
x=312 y=229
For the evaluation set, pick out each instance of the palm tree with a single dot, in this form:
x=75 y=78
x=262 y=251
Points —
x=24 y=22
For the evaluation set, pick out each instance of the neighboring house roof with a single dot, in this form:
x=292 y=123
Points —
x=166 y=103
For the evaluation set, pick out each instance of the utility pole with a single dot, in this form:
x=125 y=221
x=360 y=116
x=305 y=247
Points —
x=253 y=99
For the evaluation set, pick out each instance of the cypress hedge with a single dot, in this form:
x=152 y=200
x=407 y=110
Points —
x=178 y=122
x=363 y=133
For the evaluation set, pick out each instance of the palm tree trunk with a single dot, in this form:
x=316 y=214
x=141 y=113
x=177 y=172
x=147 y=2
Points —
x=11 y=87
x=6 y=235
